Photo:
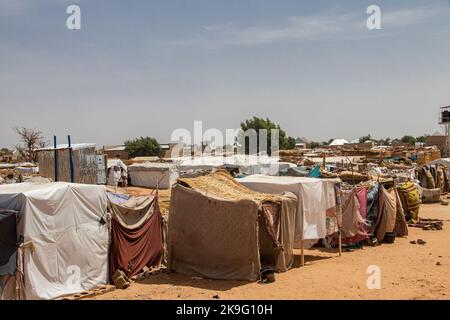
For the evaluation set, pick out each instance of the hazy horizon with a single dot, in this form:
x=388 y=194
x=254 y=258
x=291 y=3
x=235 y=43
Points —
x=147 y=68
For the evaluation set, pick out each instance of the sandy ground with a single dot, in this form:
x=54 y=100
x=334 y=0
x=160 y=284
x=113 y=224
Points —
x=408 y=271
x=163 y=195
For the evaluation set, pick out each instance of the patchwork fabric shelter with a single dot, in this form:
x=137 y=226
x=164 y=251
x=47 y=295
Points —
x=353 y=223
x=410 y=199
x=65 y=236
x=136 y=234
x=222 y=230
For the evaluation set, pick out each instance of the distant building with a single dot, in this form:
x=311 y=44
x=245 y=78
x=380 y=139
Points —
x=13 y=156
x=302 y=143
x=169 y=150
x=6 y=158
x=439 y=140
x=113 y=151
x=82 y=160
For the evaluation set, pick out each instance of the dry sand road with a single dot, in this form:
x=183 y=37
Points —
x=408 y=271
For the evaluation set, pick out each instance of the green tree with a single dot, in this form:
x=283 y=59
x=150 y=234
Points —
x=257 y=124
x=409 y=139
x=142 y=147
x=422 y=139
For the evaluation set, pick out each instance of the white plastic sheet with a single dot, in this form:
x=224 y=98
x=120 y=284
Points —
x=315 y=196
x=67 y=249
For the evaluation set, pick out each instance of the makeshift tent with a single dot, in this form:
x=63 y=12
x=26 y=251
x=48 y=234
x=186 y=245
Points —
x=222 y=230
x=65 y=236
x=153 y=175
x=338 y=142
x=352 y=220
x=136 y=234
x=247 y=164
x=444 y=161
x=316 y=199
x=199 y=163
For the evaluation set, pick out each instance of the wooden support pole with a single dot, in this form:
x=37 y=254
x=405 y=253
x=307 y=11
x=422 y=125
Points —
x=338 y=191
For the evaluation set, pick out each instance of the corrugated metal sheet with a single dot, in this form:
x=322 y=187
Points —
x=84 y=163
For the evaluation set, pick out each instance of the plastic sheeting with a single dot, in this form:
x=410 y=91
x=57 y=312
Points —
x=247 y=164
x=136 y=235
x=67 y=241
x=153 y=175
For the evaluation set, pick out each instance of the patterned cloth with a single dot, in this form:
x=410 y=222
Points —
x=410 y=198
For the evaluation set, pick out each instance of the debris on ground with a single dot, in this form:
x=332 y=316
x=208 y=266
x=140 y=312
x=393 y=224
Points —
x=421 y=242
x=121 y=281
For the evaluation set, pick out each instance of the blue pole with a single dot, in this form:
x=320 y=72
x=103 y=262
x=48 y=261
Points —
x=72 y=178
x=56 y=158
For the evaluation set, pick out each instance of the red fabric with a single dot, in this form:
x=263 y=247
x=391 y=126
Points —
x=133 y=249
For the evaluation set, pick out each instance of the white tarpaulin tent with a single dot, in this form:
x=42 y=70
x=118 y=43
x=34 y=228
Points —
x=315 y=197
x=338 y=142
x=247 y=164
x=66 y=239
x=152 y=175
x=115 y=176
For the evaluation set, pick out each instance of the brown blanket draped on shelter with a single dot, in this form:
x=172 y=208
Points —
x=136 y=235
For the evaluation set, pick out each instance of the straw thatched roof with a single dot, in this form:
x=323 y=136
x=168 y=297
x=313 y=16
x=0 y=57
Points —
x=220 y=184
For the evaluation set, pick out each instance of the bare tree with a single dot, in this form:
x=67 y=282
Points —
x=31 y=139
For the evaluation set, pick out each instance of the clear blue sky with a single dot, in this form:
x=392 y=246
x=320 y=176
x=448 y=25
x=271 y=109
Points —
x=141 y=67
